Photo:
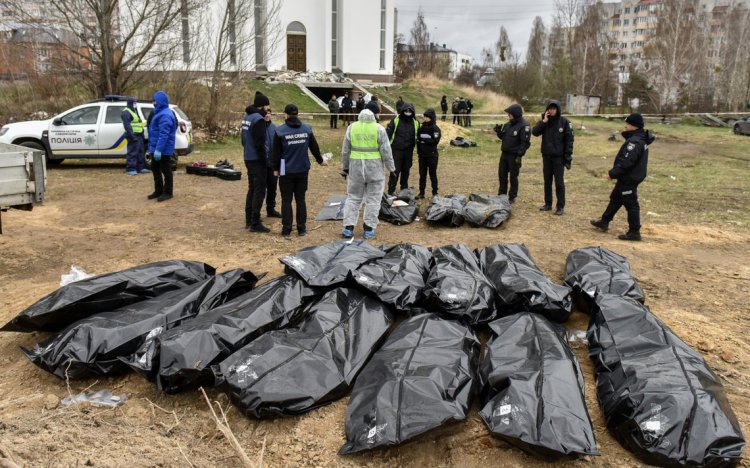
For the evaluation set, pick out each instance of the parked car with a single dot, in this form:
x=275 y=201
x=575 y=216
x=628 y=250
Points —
x=742 y=127
x=91 y=130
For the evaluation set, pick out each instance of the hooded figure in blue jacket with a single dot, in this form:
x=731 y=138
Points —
x=135 y=160
x=162 y=129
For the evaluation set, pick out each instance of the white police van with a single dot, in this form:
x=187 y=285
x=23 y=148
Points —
x=91 y=130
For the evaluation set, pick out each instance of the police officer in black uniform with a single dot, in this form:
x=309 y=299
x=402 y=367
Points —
x=427 y=151
x=557 y=153
x=630 y=168
x=516 y=139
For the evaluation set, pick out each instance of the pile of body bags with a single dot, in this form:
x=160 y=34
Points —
x=399 y=328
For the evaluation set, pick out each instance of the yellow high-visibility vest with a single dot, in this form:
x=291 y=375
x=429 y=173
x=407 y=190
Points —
x=137 y=123
x=364 y=140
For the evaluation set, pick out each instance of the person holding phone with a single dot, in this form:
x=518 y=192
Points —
x=557 y=153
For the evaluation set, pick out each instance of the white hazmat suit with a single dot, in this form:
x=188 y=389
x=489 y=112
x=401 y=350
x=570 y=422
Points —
x=366 y=177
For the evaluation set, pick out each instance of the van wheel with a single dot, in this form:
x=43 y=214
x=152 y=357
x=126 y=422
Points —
x=38 y=146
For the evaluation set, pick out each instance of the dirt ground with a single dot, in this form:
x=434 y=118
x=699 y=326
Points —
x=696 y=275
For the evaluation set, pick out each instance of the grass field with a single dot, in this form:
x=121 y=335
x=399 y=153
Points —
x=696 y=174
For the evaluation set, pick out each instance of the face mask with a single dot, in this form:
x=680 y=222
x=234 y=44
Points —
x=407 y=114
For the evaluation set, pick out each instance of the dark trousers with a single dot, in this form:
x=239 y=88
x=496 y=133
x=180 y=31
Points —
x=135 y=158
x=624 y=195
x=508 y=169
x=272 y=182
x=553 y=168
x=428 y=164
x=293 y=186
x=468 y=119
x=334 y=121
x=443 y=117
x=162 y=171
x=257 y=172
x=403 y=160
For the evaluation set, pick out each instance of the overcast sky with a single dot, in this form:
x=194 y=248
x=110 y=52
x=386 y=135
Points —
x=469 y=25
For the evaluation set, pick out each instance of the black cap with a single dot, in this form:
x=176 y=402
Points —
x=635 y=119
x=261 y=100
x=291 y=109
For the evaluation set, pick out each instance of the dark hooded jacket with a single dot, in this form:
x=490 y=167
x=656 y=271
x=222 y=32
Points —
x=631 y=162
x=402 y=130
x=516 y=134
x=444 y=104
x=557 y=134
x=373 y=106
x=428 y=137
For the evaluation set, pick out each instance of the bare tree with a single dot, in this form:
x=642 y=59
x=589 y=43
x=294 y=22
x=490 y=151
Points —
x=504 y=48
x=731 y=59
x=591 y=52
x=235 y=36
x=535 y=55
x=114 y=40
x=672 y=51
x=419 y=43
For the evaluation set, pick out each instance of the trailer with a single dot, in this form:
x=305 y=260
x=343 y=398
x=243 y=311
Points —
x=23 y=178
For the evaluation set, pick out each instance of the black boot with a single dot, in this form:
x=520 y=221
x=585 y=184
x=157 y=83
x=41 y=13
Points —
x=546 y=208
x=600 y=224
x=630 y=236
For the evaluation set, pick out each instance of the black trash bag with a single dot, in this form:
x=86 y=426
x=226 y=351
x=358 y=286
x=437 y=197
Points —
x=456 y=287
x=292 y=371
x=107 y=292
x=532 y=389
x=180 y=358
x=327 y=265
x=421 y=378
x=489 y=211
x=398 y=279
x=659 y=397
x=521 y=285
x=447 y=211
x=333 y=209
x=95 y=345
x=593 y=270
x=398 y=215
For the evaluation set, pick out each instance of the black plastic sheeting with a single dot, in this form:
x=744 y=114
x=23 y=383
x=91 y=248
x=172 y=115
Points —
x=521 y=285
x=532 y=389
x=107 y=292
x=95 y=345
x=457 y=288
x=489 y=211
x=398 y=279
x=330 y=264
x=659 y=397
x=597 y=269
x=421 y=378
x=398 y=215
x=447 y=211
x=298 y=369
x=333 y=209
x=180 y=358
